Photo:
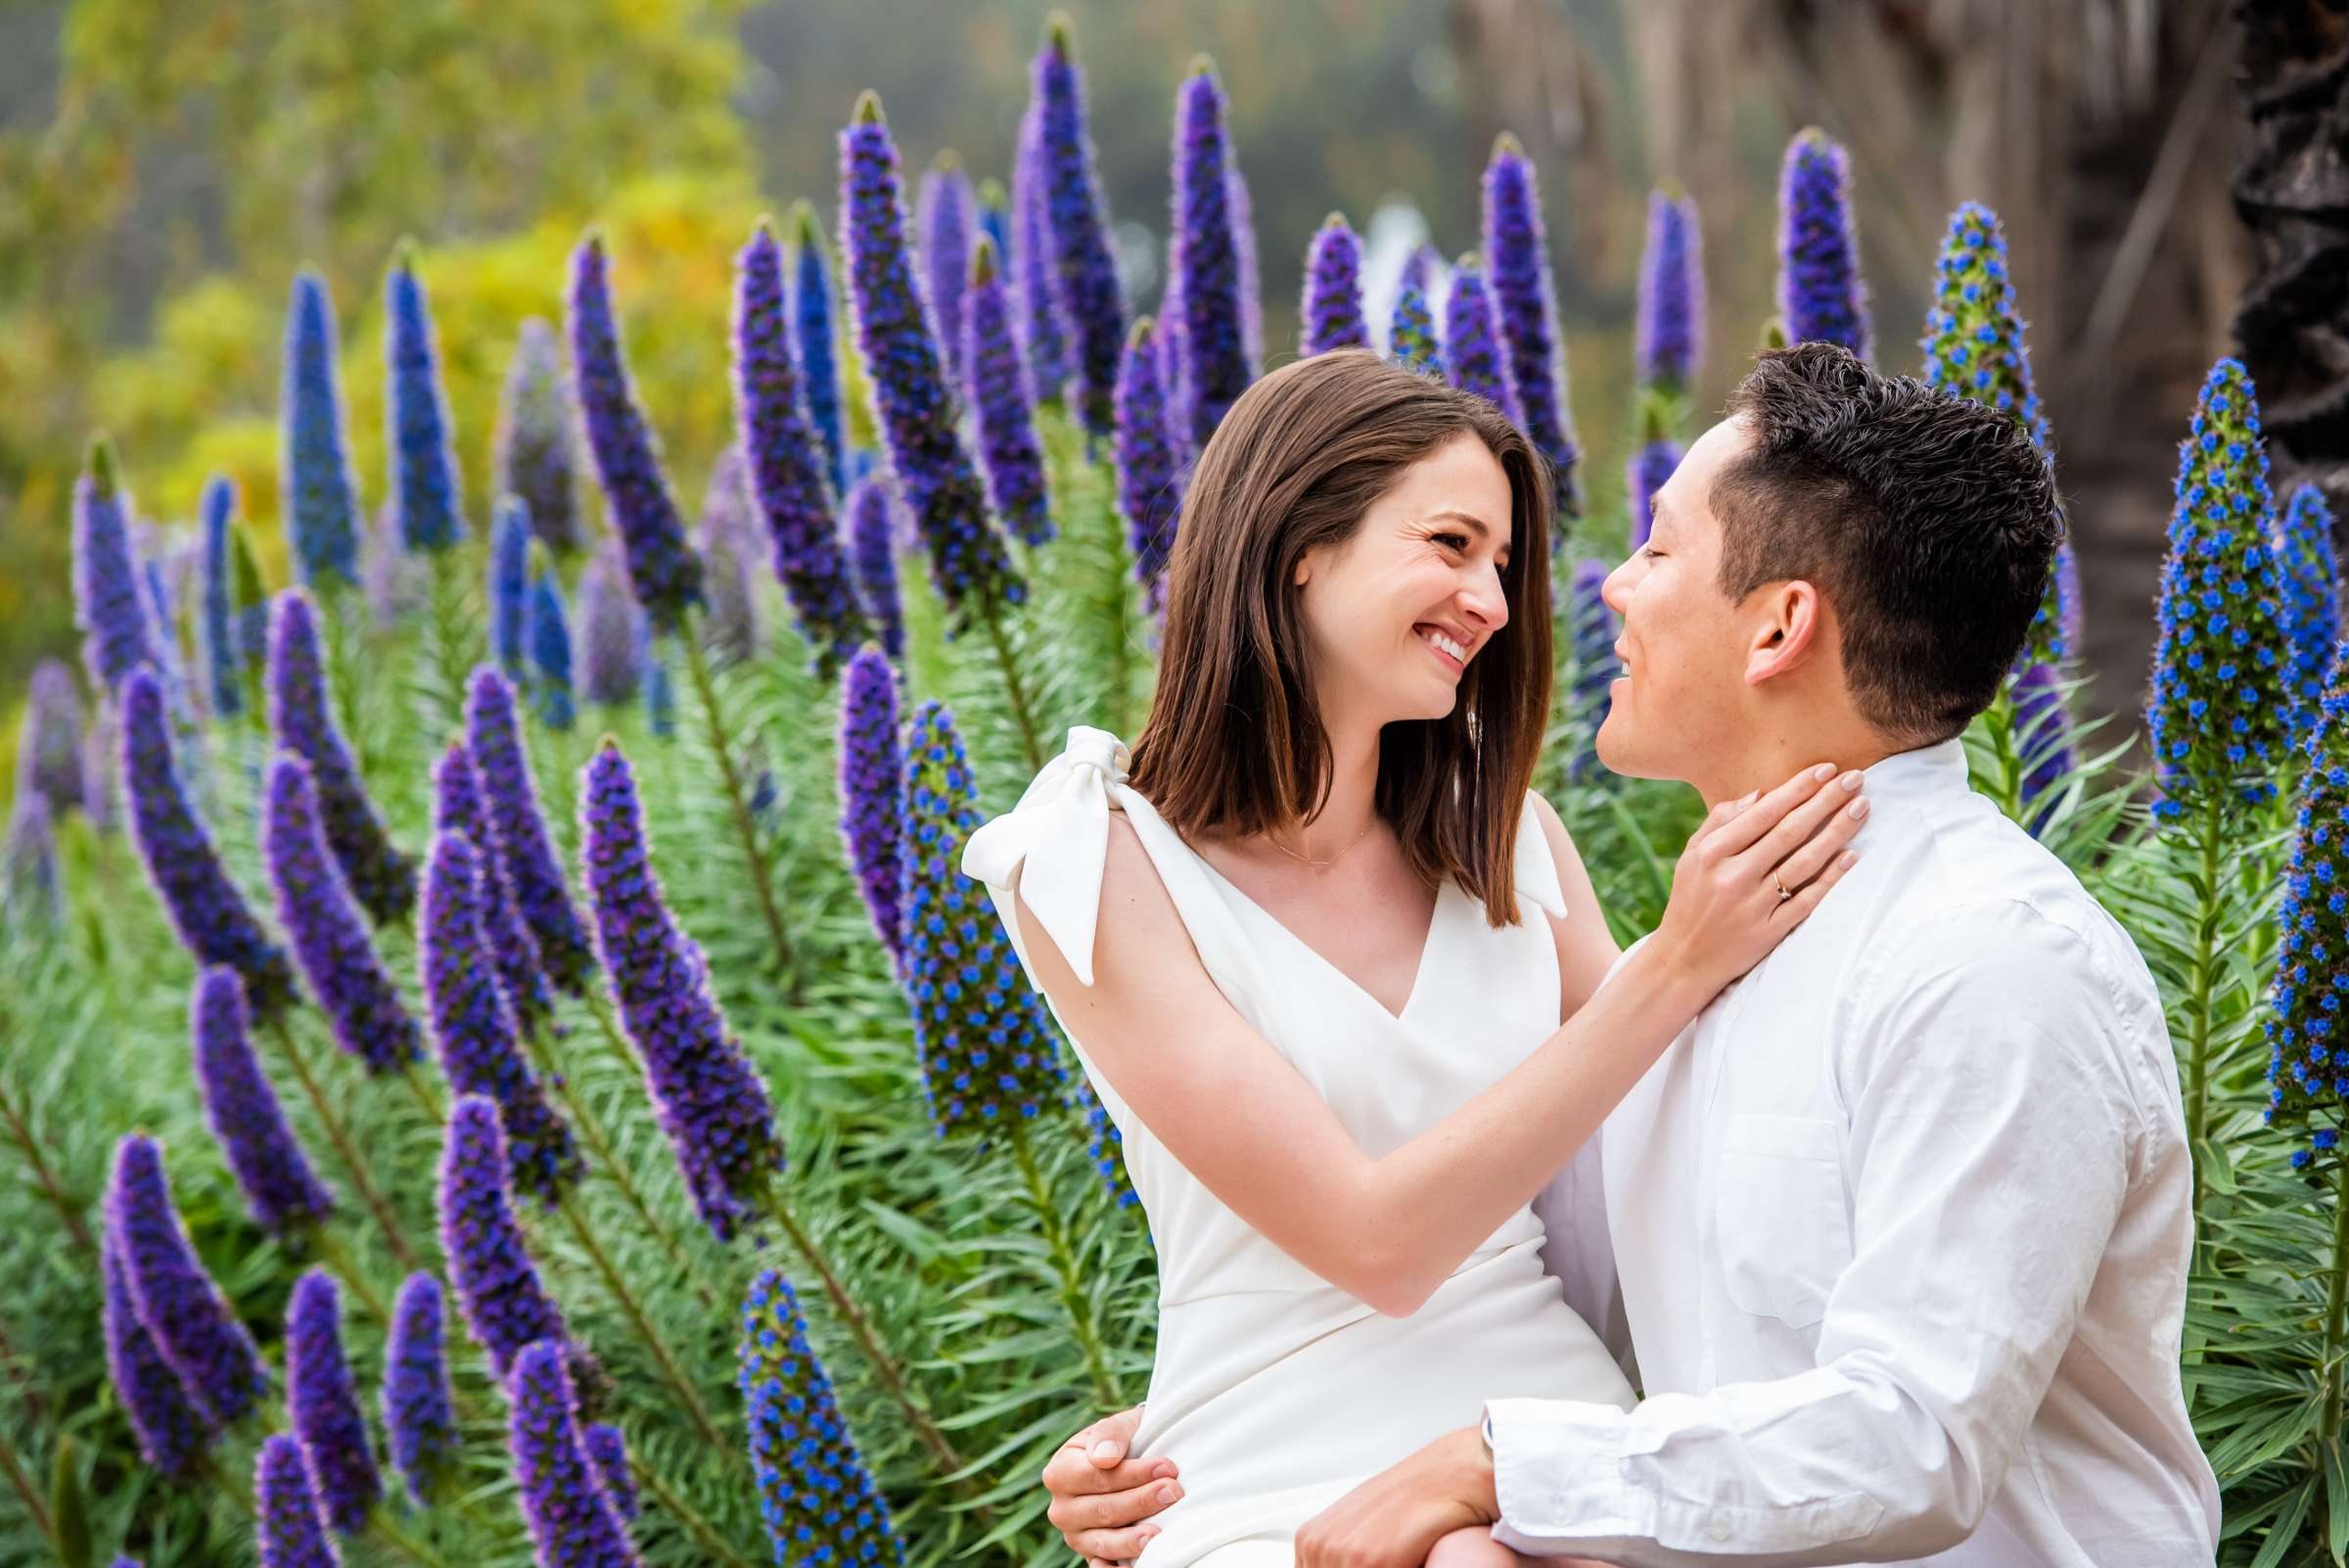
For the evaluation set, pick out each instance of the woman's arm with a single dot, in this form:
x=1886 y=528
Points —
x=1586 y=948
x=1390 y=1231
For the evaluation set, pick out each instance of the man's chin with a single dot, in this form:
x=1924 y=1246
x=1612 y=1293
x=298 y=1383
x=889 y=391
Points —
x=1623 y=755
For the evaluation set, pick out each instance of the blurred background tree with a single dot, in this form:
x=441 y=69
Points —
x=168 y=167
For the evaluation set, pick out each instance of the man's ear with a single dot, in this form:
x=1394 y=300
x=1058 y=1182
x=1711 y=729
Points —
x=1786 y=635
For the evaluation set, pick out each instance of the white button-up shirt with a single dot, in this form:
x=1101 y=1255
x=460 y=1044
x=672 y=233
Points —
x=1900 y=1231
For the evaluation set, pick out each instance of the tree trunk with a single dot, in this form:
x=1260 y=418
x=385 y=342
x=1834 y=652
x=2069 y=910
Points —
x=2291 y=190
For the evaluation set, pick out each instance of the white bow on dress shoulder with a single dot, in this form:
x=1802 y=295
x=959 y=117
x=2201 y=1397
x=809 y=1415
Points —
x=1060 y=829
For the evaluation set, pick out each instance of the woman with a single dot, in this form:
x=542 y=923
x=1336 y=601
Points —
x=1285 y=933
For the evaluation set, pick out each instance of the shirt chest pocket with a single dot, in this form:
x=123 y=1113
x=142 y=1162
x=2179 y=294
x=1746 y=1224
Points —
x=1780 y=1222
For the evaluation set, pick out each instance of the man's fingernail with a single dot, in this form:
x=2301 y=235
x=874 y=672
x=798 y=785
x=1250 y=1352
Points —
x=1105 y=1450
x=1166 y=1469
x=1166 y=1494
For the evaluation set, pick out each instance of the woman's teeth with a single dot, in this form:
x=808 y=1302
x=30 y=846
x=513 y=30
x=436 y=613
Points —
x=1438 y=639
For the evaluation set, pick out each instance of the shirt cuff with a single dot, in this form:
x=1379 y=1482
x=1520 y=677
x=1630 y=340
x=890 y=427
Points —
x=1557 y=1474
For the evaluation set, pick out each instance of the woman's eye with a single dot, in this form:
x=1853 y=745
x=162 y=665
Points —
x=1459 y=541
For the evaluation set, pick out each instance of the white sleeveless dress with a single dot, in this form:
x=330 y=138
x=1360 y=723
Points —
x=1274 y=1390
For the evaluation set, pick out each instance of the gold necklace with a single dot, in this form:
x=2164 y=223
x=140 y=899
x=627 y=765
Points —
x=1323 y=866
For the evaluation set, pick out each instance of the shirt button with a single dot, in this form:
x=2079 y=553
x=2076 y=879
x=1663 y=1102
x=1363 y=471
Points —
x=1720 y=1531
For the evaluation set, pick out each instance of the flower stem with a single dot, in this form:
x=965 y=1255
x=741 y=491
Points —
x=381 y=1527
x=761 y=875
x=2336 y=1297
x=991 y=616
x=2202 y=981
x=20 y=1134
x=695 y=1525
x=339 y=1137
x=893 y=1376
x=666 y=1360
x=27 y=1494
x=1064 y=1264
x=345 y=1270
x=602 y=1009
x=609 y=1158
x=426 y=1100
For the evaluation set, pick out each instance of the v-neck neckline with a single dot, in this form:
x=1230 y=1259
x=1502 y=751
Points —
x=1427 y=943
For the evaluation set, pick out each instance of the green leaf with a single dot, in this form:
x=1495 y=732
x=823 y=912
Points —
x=68 y=1510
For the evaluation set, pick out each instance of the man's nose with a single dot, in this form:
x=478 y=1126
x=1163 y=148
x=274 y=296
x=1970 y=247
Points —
x=1616 y=591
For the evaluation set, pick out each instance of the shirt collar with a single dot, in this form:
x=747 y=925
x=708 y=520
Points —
x=1901 y=786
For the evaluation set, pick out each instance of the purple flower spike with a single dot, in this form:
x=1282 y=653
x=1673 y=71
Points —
x=573 y=1521
x=330 y=940
x=324 y=1409
x=1103 y=1141
x=192 y=1324
x=289 y=1530
x=424 y=464
x=2220 y=660
x=608 y=1452
x=169 y=1429
x=1411 y=339
x=872 y=552
x=498 y=1285
x=481 y=1048
x=1149 y=473
x=728 y=545
x=1591 y=628
x=418 y=1411
x=32 y=894
x=1474 y=355
x=281 y=1192
x=523 y=849
x=785 y=464
x=1333 y=290
x=381 y=878
x=942 y=224
x=870 y=767
x=206 y=907
x=549 y=639
x=1220 y=367
x=1820 y=296
x=2042 y=731
x=1419 y=270
x=606 y=631
x=537 y=456
x=1656 y=460
x=911 y=399
x=510 y=586
x=707 y=1096
x=2311 y=613
x=458 y=807
x=1086 y=284
x=1517 y=249
x=627 y=459
x=223 y=659
x=1671 y=325
x=49 y=746
x=320 y=505
x=110 y=600
x=818 y=1500
x=987 y=1052
x=1243 y=244
x=812 y=335
x=1043 y=331
x=1008 y=450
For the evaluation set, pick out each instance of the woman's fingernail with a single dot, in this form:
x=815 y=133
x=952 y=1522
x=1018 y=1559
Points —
x=1166 y=1469
x=1167 y=1493
x=1858 y=808
x=1824 y=771
x=1850 y=857
x=1751 y=796
x=1851 y=780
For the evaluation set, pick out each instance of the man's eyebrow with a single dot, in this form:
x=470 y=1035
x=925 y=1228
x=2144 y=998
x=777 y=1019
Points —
x=1657 y=511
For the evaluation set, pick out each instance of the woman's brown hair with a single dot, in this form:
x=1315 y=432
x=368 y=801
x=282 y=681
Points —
x=1234 y=744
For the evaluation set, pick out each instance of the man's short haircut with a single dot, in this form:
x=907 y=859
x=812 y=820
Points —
x=1928 y=519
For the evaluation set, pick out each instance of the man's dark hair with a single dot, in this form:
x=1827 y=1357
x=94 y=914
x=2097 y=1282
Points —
x=1929 y=520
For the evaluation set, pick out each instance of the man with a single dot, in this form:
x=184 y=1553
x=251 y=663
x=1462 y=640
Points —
x=1899 y=1225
